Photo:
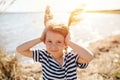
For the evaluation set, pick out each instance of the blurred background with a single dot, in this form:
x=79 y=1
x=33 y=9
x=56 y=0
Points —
x=22 y=20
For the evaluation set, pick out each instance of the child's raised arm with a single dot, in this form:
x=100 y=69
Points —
x=24 y=48
x=85 y=56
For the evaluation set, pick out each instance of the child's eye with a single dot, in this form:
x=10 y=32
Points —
x=49 y=41
x=59 y=42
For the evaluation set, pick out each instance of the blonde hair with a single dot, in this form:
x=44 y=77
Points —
x=75 y=16
x=57 y=28
x=73 y=19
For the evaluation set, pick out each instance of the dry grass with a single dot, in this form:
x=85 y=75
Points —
x=12 y=69
x=9 y=67
x=105 y=65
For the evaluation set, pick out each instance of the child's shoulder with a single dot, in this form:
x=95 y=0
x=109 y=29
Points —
x=40 y=50
x=43 y=51
x=71 y=53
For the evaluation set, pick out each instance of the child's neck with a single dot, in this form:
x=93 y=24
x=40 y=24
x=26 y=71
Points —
x=60 y=59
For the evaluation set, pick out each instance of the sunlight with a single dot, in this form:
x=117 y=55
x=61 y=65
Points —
x=101 y=4
x=68 y=5
x=61 y=5
x=65 y=5
x=25 y=6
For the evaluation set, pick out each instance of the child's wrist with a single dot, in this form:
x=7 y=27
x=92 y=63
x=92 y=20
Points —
x=68 y=42
x=40 y=39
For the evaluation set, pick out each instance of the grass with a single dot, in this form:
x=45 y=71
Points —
x=9 y=67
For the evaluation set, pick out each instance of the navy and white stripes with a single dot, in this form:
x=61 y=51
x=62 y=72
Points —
x=51 y=70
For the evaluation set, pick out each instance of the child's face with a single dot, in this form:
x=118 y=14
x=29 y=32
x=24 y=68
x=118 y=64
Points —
x=55 y=43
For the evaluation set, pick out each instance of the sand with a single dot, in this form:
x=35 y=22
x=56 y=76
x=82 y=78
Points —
x=104 y=66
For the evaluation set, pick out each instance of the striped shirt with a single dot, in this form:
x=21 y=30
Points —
x=52 y=70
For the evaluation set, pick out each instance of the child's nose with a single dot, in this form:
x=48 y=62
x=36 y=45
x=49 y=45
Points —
x=54 y=45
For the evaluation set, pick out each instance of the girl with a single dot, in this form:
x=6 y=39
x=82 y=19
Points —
x=57 y=63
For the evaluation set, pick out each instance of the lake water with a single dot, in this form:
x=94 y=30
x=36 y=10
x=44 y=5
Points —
x=16 y=28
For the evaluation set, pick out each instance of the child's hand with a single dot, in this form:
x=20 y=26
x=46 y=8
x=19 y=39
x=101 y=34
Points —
x=42 y=38
x=67 y=39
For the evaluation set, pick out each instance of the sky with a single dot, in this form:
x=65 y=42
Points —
x=61 y=5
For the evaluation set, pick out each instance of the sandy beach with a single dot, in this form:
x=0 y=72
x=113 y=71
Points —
x=104 y=66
